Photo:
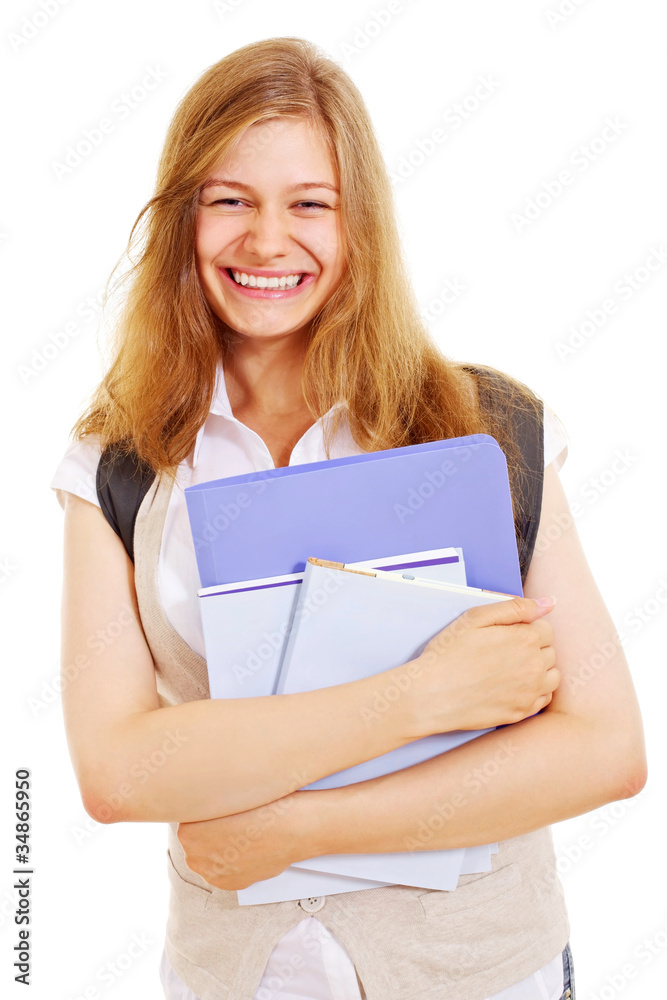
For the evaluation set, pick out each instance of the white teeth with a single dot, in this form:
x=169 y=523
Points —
x=258 y=281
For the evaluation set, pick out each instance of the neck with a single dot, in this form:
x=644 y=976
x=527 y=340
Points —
x=265 y=378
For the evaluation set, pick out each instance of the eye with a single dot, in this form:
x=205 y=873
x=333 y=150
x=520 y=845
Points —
x=226 y=201
x=313 y=204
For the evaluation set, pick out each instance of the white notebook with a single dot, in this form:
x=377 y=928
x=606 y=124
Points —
x=246 y=624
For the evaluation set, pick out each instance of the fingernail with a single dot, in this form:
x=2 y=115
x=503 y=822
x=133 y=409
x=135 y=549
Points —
x=545 y=602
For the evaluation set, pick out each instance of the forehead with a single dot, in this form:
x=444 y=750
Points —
x=283 y=146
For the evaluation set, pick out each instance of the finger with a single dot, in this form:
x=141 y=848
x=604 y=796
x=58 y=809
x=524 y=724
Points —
x=548 y=655
x=518 y=609
x=540 y=703
x=553 y=678
x=544 y=632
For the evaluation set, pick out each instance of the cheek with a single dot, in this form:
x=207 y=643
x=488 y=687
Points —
x=205 y=275
x=325 y=245
x=205 y=243
x=214 y=235
x=336 y=260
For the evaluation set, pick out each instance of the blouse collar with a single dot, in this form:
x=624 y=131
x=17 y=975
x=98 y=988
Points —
x=221 y=407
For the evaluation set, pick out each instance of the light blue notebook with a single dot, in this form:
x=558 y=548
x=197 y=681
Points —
x=424 y=496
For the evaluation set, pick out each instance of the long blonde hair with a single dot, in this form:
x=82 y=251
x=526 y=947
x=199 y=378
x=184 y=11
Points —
x=368 y=344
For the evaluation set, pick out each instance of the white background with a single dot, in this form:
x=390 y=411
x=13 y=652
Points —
x=556 y=83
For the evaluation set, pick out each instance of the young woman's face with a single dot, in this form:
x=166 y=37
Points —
x=269 y=215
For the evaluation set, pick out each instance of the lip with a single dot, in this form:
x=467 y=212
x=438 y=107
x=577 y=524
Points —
x=267 y=293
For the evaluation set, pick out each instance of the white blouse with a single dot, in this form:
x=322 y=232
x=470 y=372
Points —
x=226 y=447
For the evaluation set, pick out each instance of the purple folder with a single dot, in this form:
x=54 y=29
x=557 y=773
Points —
x=425 y=496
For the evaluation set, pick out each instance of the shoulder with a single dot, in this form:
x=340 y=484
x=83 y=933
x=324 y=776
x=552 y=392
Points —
x=114 y=479
x=76 y=471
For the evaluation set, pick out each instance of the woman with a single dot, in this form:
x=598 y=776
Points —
x=270 y=322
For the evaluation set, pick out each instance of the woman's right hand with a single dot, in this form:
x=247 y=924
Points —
x=494 y=664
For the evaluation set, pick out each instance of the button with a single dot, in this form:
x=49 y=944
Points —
x=312 y=904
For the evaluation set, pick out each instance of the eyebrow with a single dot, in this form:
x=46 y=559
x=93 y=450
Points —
x=302 y=186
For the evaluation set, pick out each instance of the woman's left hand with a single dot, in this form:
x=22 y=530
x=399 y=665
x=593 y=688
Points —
x=232 y=852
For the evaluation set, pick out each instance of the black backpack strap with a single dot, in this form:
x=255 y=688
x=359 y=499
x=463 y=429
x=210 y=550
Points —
x=122 y=482
x=526 y=426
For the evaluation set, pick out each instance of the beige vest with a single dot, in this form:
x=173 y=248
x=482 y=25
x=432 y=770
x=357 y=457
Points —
x=406 y=943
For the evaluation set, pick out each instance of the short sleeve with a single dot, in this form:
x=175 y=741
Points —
x=77 y=470
x=555 y=439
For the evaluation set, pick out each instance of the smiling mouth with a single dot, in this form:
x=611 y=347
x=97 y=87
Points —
x=259 y=281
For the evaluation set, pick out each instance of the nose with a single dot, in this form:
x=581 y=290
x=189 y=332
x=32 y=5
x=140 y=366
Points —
x=268 y=234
